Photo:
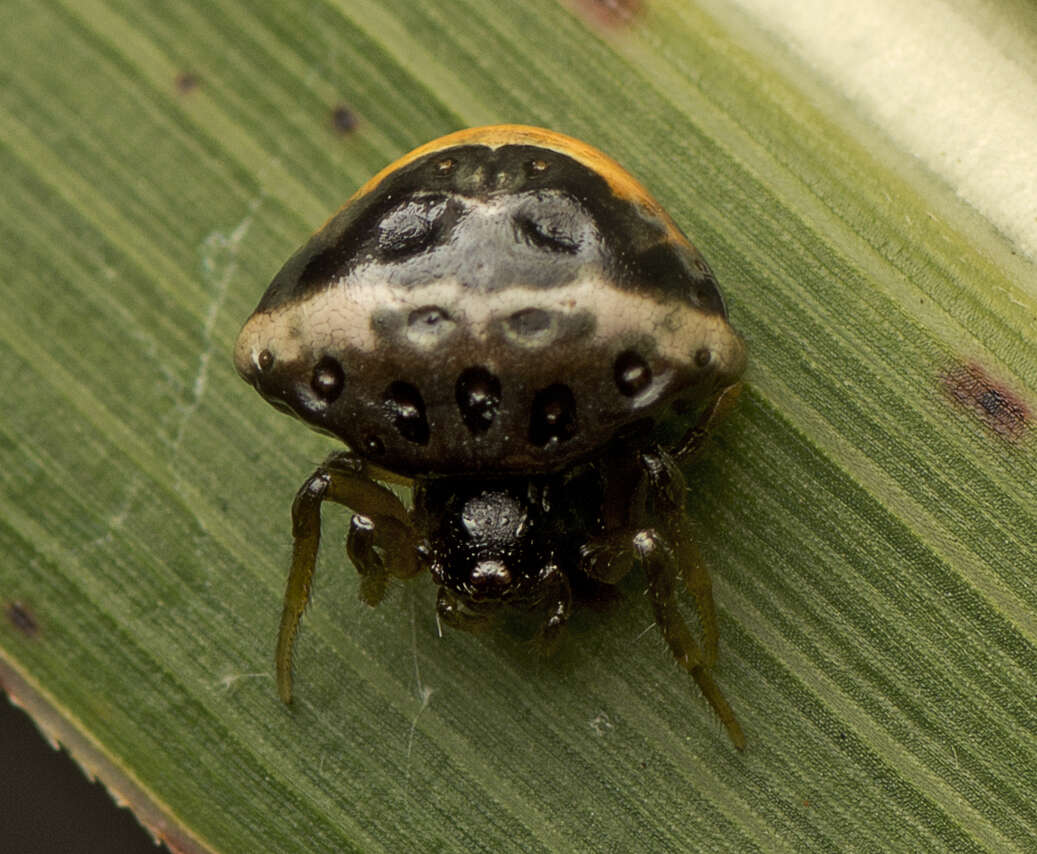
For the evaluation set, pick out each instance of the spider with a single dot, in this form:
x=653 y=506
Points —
x=506 y=321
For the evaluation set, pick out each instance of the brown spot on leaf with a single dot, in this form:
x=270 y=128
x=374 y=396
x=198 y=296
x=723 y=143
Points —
x=186 y=82
x=613 y=14
x=994 y=404
x=22 y=619
x=344 y=120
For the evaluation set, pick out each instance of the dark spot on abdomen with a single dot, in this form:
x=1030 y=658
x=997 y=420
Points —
x=429 y=325
x=478 y=395
x=406 y=408
x=529 y=322
x=631 y=373
x=412 y=228
x=554 y=415
x=328 y=379
x=546 y=235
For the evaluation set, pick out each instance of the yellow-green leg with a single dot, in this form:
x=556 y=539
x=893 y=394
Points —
x=660 y=563
x=341 y=478
x=649 y=524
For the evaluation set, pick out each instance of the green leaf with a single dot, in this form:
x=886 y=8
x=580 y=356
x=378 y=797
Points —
x=868 y=511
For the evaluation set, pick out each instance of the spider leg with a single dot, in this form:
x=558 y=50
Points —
x=608 y=556
x=665 y=547
x=371 y=537
x=631 y=480
x=668 y=486
x=341 y=478
x=693 y=569
x=459 y=613
x=696 y=578
x=718 y=408
x=558 y=605
x=660 y=562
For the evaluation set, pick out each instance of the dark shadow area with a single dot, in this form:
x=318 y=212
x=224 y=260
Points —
x=47 y=804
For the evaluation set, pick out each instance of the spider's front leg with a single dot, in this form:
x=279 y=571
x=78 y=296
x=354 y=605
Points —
x=667 y=558
x=661 y=568
x=667 y=488
x=381 y=546
x=557 y=602
x=381 y=525
x=460 y=613
x=648 y=523
x=715 y=411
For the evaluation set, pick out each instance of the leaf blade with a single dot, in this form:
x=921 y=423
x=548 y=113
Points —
x=869 y=539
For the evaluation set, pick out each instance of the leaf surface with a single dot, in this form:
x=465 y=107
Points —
x=868 y=511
